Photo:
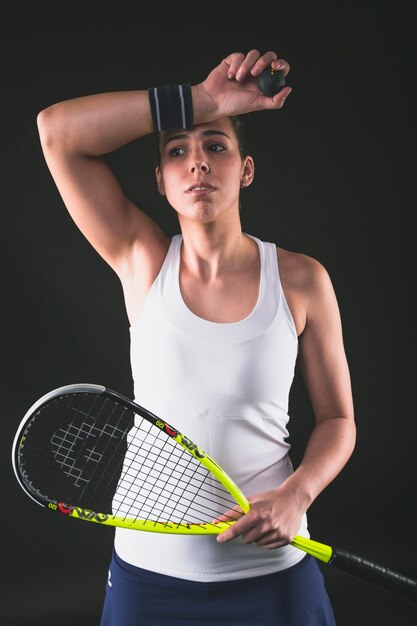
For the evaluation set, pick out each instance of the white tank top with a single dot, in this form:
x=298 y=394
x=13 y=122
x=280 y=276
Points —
x=226 y=387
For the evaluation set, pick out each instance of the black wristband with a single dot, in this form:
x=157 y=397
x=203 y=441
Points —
x=171 y=107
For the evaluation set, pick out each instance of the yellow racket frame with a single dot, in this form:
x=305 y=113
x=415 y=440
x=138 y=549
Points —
x=318 y=550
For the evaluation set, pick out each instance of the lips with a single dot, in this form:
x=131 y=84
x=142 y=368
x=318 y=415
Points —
x=200 y=189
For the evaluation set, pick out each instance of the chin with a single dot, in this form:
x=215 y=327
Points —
x=200 y=214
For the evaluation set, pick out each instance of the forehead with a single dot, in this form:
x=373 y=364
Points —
x=222 y=127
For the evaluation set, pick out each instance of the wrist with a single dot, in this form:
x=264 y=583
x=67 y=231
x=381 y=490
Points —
x=171 y=107
x=204 y=106
x=299 y=491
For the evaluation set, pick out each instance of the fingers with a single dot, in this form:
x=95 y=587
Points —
x=230 y=516
x=234 y=61
x=253 y=63
x=268 y=538
x=256 y=527
x=244 y=68
x=276 y=64
x=279 y=99
x=248 y=63
x=238 y=528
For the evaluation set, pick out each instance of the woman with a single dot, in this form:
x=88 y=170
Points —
x=218 y=319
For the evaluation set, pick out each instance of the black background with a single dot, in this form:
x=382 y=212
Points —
x=334 y=179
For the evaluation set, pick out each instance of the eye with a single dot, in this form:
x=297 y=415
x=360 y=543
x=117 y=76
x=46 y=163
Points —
x=216 y=147
x=176 y=151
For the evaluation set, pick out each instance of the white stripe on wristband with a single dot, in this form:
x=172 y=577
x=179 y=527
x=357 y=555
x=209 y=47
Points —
x=171 y=107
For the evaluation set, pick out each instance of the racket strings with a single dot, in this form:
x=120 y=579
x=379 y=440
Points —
x=66 y=440
x=144 y=471
x=34 y=451
x=86 y=436
x=109 y=459
x=117 y=422
x=162 y=482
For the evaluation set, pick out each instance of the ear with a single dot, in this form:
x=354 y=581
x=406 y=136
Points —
x=248 y=172
x=159 y=181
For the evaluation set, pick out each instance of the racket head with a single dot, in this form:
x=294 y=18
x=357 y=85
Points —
x=85 y=450
x=20 y=436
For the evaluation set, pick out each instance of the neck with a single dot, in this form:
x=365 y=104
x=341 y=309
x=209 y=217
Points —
x=212 y=249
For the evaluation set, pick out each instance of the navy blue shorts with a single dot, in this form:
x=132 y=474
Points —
x=294 y=597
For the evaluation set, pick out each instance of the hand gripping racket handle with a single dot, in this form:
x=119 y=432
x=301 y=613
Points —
x=375 y=574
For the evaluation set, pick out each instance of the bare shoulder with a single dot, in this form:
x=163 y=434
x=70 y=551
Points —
x=306 y=284
x=300 y=271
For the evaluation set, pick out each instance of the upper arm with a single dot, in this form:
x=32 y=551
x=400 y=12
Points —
x=112 y=224
x=322 y=358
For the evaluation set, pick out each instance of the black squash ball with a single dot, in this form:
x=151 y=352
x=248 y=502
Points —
x=270 y=81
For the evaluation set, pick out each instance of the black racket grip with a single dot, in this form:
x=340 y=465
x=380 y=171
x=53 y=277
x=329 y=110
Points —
x=377 y=575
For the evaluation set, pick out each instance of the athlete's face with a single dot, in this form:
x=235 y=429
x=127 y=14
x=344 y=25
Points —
x=201 y=170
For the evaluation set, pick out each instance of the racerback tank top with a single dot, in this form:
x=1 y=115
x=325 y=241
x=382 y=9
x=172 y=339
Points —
x=226 y=387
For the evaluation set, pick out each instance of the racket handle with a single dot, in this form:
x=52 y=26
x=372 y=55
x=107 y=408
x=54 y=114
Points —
x=375 y=574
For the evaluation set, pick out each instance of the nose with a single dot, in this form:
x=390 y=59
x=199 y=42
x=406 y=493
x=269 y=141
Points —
x=200 y=166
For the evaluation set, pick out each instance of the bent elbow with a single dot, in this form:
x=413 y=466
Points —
x=50 y=127
x=44 y=123
x=351 y=436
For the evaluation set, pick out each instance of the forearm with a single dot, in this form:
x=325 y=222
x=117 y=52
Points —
x=97 y=124
x=328 y=449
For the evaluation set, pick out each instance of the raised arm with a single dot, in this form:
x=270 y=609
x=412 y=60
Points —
x=75 y=135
